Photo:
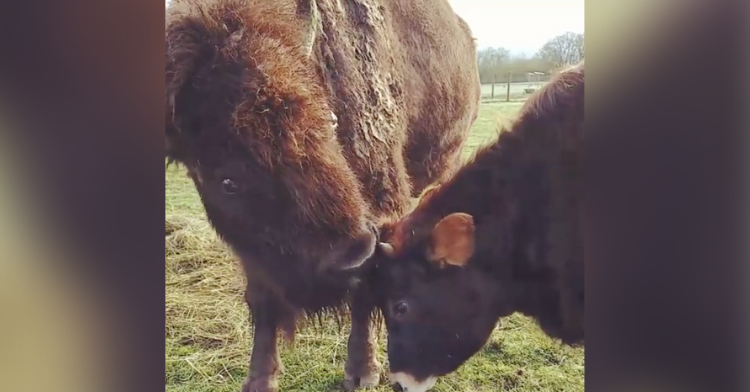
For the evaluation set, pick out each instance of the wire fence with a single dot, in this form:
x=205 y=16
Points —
x=502 y=90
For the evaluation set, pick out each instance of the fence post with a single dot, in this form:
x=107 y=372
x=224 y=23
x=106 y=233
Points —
x=492 y=94
x=507 y=91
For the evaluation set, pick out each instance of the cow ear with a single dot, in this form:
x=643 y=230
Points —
x=452 y=240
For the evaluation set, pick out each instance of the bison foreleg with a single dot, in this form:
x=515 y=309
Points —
x=362 y=368
x=265 y=363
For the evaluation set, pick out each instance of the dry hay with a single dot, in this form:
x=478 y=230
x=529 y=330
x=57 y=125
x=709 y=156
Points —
x=205 y=309
x=204 y=304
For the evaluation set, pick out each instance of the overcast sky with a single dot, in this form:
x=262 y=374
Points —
x=521 y=26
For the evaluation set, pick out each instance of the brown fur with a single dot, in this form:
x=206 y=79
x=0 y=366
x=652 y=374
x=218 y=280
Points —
x=251 y=85
x=524 y=193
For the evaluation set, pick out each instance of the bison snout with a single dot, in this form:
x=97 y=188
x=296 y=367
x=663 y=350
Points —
x=352 y=253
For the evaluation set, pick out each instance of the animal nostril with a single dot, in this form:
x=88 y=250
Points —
x=397 y=387
x=352 y=252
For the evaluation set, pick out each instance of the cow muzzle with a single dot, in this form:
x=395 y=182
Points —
x=402 y=382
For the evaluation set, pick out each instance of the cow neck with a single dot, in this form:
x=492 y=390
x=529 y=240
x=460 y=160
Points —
x=476 y=189
x=487 y=189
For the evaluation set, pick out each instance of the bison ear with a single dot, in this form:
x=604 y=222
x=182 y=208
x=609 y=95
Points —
x=452 y=240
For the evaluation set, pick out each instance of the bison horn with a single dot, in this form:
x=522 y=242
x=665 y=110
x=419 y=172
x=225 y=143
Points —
x=386 y=248
x=314 y=21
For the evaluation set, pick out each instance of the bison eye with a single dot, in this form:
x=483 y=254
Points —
x=400 y=309
x=229 y=187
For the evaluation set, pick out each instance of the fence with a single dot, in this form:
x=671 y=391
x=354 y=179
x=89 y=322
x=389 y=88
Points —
x=512 y=89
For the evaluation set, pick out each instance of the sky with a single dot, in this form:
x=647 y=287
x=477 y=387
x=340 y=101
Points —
x=521 y=26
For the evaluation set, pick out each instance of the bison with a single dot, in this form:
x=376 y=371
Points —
x=306 y=124
x=502 y=236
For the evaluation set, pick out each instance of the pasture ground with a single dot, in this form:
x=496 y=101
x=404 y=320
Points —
x=208 y=338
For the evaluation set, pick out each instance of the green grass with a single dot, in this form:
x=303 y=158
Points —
x=208 y=338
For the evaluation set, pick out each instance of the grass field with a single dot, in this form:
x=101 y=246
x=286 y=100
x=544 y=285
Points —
x=208 y=338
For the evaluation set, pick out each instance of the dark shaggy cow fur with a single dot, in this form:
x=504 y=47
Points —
x=304 y=126
x=508 y=241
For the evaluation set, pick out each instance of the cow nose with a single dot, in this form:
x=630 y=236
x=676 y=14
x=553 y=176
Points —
x=397 y=387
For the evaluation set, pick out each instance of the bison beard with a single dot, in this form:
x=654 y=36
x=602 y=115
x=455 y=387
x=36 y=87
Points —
x=293 y=189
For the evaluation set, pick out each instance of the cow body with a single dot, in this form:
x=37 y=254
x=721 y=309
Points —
x=305 y=125
x=501 y=236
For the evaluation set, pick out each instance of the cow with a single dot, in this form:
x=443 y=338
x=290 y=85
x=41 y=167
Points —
x=501 y=236
x=305 y=124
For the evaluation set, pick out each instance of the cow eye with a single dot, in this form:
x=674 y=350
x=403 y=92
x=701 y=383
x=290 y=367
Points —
x=400 y=309
x=229 y=187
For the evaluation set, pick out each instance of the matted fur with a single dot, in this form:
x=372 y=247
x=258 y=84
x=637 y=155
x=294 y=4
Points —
x=361 y=71
x=525 y=194
x=252 y=88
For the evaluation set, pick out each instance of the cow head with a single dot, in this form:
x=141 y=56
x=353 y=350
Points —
x=250 y=120
x=439 y=310
x=442 y=293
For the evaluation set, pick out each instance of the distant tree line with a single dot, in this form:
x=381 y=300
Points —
x=497 y=63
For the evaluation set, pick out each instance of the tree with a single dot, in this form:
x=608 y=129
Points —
x=490 y=61
x=495 y=64
x=492 y=57
x=565 y=49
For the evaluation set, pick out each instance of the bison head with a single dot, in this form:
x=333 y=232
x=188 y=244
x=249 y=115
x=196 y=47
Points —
x=250 y=120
